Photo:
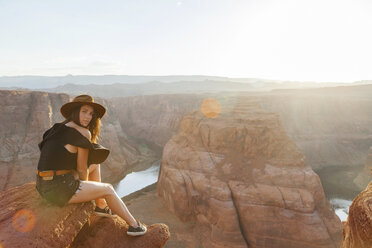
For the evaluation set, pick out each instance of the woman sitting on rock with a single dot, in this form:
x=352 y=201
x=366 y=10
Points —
x=69 y=170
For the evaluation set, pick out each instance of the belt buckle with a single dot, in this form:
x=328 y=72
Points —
x=47 y=178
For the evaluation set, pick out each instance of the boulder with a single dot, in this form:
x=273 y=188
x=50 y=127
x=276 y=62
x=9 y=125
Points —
x=111 y=232
x=27 y=220
x=357 y=230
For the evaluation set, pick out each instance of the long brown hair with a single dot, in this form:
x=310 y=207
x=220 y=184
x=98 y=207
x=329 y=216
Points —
x=94 y=125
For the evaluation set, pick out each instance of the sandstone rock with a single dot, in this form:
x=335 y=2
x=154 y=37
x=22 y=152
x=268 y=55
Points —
x=244 y=182
x=26 y=220
x=111 y=232
x=357 y=230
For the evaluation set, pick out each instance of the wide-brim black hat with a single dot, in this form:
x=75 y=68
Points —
x=79 y=101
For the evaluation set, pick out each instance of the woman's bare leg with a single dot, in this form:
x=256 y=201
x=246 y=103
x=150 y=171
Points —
x=93 y=190
x=95 y=175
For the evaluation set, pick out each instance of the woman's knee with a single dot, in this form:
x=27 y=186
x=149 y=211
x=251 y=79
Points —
x=108 y=188
x=93 y=167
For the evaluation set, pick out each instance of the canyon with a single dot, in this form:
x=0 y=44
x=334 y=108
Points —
x=331 y=127
x=261 y=144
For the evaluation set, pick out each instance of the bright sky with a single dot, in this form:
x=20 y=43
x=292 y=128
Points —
x=310 y=40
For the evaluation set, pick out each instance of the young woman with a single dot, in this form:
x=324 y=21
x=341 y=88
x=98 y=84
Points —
x=69 y=171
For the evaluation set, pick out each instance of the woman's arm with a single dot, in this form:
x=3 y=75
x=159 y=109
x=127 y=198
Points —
x=82 y=159
x=82 y=163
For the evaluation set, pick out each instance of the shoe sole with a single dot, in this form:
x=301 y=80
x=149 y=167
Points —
x=137 y=233
x=104 y=215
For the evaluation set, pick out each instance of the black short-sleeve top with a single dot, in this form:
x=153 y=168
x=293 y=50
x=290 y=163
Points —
x=54 y=155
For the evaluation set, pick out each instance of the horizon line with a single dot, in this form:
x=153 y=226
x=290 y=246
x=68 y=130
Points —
x=182 y=75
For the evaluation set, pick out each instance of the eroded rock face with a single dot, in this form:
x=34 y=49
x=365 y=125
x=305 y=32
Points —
x=357 y=230
x=245 y=182
x=154 y=118
x=24 y=118
x=26 y=220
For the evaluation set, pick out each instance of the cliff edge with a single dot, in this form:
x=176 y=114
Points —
x=26 y=220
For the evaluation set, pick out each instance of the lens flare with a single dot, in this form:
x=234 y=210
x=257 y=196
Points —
x=23 y=220
x=211 y=108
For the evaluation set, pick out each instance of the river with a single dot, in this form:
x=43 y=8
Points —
x=339 y=188
x=138 y=180
x=336 y=181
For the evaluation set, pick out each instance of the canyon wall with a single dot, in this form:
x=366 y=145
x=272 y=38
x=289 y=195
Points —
x=25 y=116
x=364 y=177
x=330 y=126
x=244 y=182
x=154 y=118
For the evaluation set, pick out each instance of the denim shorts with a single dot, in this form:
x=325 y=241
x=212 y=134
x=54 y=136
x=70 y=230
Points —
x=59 y=190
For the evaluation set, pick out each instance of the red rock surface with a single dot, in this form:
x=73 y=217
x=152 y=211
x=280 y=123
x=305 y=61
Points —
x=26 y=220
x=244 y=182
x=357 y=231
x=107 y=232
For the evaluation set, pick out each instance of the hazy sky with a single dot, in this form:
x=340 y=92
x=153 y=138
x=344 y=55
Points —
x=320 y=40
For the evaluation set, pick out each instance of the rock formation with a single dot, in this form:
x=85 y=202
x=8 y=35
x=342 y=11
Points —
x=245 y=183
x=111 y=232
x=364 y=177
x=357 y=231
x=26 y=220
x=25 y=116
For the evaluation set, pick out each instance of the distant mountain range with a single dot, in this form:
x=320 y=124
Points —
x=40 y=82
x=108 y=86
